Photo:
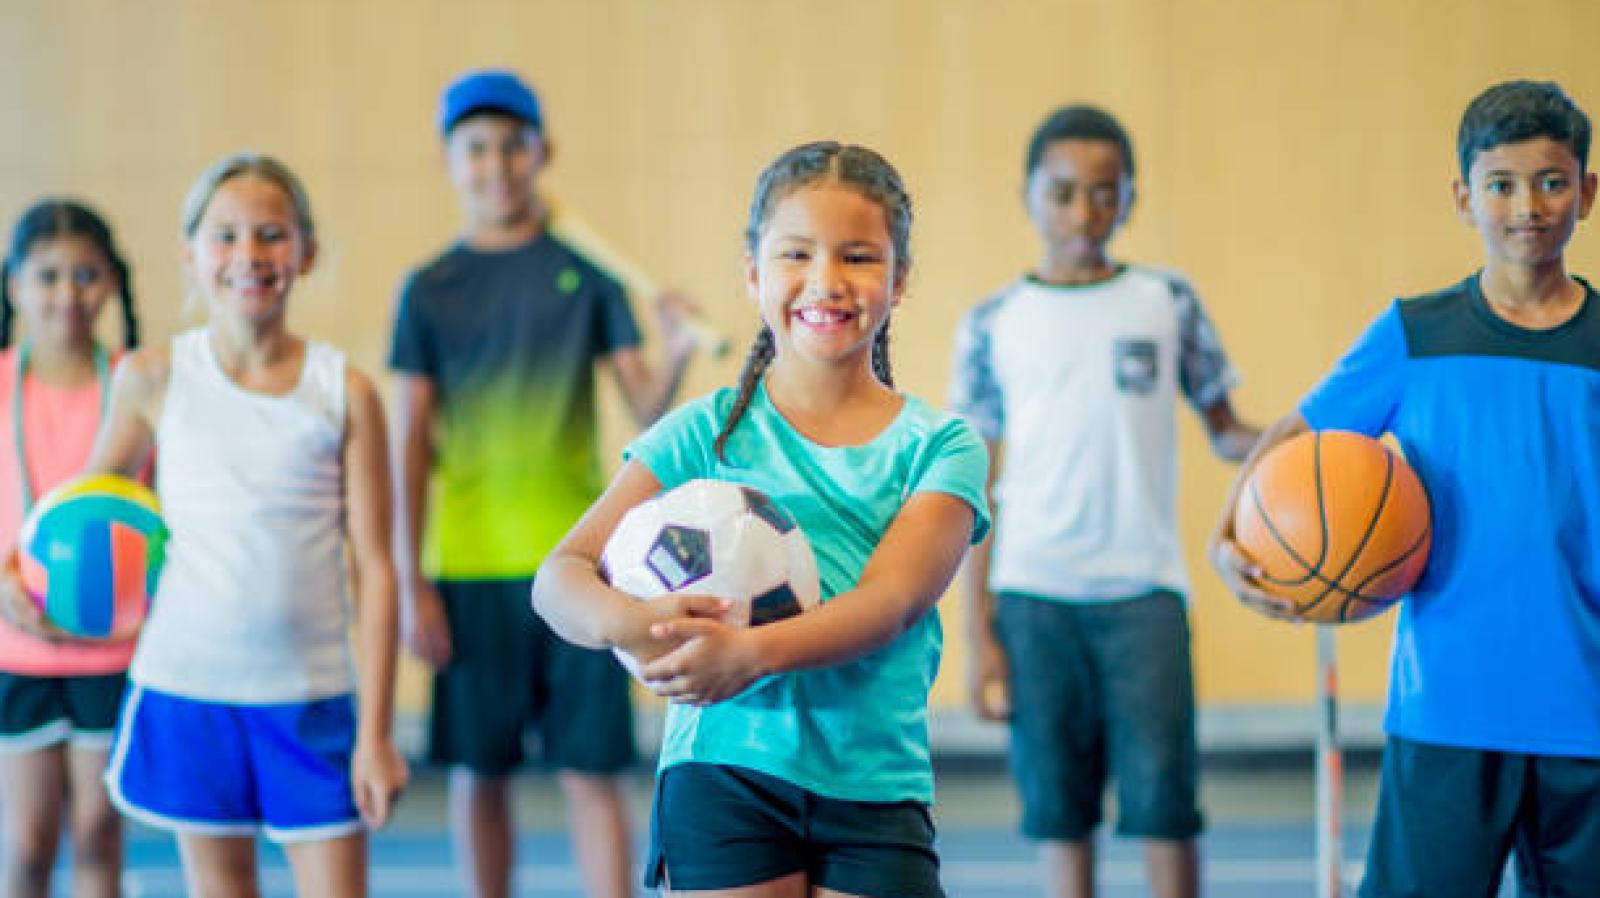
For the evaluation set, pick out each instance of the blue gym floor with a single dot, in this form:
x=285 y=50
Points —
x=1259 y=842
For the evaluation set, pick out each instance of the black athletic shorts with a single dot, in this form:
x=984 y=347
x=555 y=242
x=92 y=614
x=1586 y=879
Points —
x=510 y=674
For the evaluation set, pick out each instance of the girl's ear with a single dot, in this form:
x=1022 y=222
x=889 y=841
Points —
x=308 y=257
x=752 y=277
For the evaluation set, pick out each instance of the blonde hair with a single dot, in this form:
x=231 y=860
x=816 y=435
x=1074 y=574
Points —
x=239 y=164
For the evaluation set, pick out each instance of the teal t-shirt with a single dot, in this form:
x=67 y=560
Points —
x=856 y=731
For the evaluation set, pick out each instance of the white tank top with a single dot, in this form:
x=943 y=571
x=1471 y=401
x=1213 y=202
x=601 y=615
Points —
x=252 y=606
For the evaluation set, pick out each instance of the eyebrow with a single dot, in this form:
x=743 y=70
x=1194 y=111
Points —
x=1507 y=173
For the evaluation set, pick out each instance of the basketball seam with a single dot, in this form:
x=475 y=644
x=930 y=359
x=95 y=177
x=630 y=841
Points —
x=1399 y=560
x=1366 y=537
x=1261 y=511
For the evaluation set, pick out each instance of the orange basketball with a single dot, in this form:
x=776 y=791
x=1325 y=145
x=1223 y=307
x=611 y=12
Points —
x=1338 y=524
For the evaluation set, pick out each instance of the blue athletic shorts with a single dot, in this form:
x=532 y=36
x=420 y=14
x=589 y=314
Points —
x=210 y=768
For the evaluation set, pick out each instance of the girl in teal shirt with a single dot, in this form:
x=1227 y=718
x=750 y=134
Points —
x=796 y=753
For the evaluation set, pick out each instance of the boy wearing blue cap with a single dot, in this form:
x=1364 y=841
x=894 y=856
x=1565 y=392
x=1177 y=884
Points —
x=496 y=341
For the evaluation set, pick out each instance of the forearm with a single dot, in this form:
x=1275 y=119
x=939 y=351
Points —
x=577 y=604
x=378 y=626
x=1234 y=443
x=653 y=395
x=416 y=461
x=980 y=600
x=1282 y=429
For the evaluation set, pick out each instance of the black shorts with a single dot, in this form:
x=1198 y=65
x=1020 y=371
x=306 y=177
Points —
x=1448 y=817
x=1101 y=690
x=38 y=712
x=510 y=674
x=721 y=827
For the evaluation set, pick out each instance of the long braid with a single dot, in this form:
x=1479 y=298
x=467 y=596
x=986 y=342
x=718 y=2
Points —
x=880 y=355
x=755 y=365
x=130 y=318
x=7 y=311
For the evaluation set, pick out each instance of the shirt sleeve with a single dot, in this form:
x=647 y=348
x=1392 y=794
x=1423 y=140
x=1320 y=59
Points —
x=677 y=448
x=1364 y=389
x=974 y=390
x=1204 y=373
x=411 y=347
x=615 y=326
x=959 y=466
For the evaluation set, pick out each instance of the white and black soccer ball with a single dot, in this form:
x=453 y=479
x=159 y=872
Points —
x=714 y=538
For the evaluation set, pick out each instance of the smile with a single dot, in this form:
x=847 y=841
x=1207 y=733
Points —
x=817 y=316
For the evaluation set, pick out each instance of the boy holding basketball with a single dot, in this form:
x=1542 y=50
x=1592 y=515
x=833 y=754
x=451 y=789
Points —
x=1491 y=388
x=496 y=342
x=1072 y=375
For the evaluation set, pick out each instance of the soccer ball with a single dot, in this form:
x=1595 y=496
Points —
x=714 y=538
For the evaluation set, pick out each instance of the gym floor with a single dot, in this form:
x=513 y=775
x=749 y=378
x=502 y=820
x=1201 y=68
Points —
x=1258 y=844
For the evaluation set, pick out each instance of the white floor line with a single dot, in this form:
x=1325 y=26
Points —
x=391 y=879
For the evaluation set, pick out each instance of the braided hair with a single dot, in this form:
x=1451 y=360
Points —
x=56 y=217
x=803 y=166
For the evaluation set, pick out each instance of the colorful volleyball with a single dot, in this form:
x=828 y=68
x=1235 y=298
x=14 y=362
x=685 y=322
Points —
x=90 y=553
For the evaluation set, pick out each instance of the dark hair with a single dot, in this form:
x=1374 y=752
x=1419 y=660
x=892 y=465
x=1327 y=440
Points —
x=1514 y=111
x=813 y=163
x=1080 y=122
x=51 y=218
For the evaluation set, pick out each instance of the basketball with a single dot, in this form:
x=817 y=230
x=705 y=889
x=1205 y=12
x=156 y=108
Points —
x=90 y=553
x=1338 y=524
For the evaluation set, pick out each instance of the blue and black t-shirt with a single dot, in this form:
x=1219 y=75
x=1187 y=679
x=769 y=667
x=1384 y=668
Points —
x=1498 y=648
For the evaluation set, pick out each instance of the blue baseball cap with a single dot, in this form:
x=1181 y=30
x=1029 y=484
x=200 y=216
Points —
x=498 y=90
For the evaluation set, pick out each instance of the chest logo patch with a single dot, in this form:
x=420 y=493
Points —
x=1135 y=364
x=568 y=280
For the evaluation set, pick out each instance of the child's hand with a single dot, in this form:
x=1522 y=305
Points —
x=640 y=641
x=424 y=628
x=989 y=681
x=715 y=662
x=1242 y=578
x=21 y=611
x=377 y=775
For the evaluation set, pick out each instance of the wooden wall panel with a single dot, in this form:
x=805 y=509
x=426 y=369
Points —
x=1295 y=160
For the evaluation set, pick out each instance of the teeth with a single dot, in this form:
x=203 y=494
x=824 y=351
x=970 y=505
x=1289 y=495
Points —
x=814 y=315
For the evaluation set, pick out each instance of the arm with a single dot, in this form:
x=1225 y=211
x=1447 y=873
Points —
x=427 y=632
x=988 y=672
x=377 y=771
x=647 y=388
x=580 y=607
x=127 y=433
x=1230 y=437
x=907 y=573
x=1237 y=573
x=122 y=446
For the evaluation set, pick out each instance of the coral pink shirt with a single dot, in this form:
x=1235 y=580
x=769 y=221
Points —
x=58 y=427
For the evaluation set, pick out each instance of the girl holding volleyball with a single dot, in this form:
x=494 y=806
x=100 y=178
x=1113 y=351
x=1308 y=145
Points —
x=273 y=459
x=58 y=701
x=795 y=760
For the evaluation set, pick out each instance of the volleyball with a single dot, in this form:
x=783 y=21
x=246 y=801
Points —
x=90 y=553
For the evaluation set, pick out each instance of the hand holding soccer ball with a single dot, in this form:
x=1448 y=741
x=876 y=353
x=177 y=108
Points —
x=708 y=555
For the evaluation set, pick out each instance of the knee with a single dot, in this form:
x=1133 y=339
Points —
x=589 y=787
x=30 y=853
x=97 y=840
